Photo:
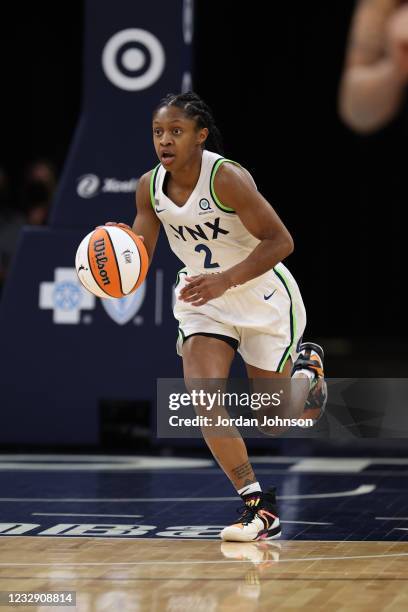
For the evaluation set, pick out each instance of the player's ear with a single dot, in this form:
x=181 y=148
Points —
x=202 y=136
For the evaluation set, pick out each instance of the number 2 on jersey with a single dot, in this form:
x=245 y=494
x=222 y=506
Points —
x=208 y=256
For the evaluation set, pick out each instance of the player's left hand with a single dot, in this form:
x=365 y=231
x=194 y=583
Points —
x=202 y=288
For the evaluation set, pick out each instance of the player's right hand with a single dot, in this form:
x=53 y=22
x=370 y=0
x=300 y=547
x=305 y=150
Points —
x=124 y=225
x=120 y=224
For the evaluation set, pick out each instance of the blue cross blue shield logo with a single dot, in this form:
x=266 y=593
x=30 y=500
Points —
x=122 y=310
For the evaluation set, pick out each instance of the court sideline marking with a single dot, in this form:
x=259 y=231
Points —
x=360 y=490
x=190 y=561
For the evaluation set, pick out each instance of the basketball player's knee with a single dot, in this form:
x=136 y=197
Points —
x=272 y=426
x=273 y=431
x=273 y=420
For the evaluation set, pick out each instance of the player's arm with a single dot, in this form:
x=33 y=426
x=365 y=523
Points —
x=146 y=224
x=236 y=189
x=376 y=66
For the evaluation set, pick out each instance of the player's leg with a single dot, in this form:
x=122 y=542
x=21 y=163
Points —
x=207 y=359
x=305 y=389
x=292 y=396
x=260 y=520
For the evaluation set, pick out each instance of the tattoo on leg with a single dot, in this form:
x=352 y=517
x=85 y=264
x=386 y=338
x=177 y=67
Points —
x=244 y=471
x=249 y=482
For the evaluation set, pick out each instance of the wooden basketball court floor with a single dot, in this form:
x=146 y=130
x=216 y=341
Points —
x=141 y=534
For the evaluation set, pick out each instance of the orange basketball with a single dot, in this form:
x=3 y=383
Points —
x=111 y=262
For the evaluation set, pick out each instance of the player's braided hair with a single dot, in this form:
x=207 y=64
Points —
x=195 y=108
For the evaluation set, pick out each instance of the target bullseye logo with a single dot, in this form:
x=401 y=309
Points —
x=133 y=59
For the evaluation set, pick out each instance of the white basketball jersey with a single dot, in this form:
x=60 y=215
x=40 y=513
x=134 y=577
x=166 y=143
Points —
x=204 y=233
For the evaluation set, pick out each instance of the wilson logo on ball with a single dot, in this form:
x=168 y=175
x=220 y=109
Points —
x=111 y=262
x=101 y=260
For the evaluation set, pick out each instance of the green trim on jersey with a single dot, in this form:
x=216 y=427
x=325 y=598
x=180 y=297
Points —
x=181 y=334
x=293 y=323
x=182 y=271
x=152 y=183
x=212 y=190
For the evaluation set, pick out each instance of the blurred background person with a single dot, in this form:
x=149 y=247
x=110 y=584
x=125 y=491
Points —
x=37 y=191
x=30 y=207
x=375 y=76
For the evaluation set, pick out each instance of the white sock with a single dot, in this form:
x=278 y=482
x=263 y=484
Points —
x=255 y=487
x=303 y=372
x=306 y=372
x=310 y=375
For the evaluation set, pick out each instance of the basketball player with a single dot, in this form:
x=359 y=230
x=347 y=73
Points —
x=376 y=71
x=234 y=294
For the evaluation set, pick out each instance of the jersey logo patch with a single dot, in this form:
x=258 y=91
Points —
x=268 y=297
x=156 y=205
x=204 y=204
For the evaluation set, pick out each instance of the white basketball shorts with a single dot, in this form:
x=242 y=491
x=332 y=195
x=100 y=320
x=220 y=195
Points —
x=266 y=316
